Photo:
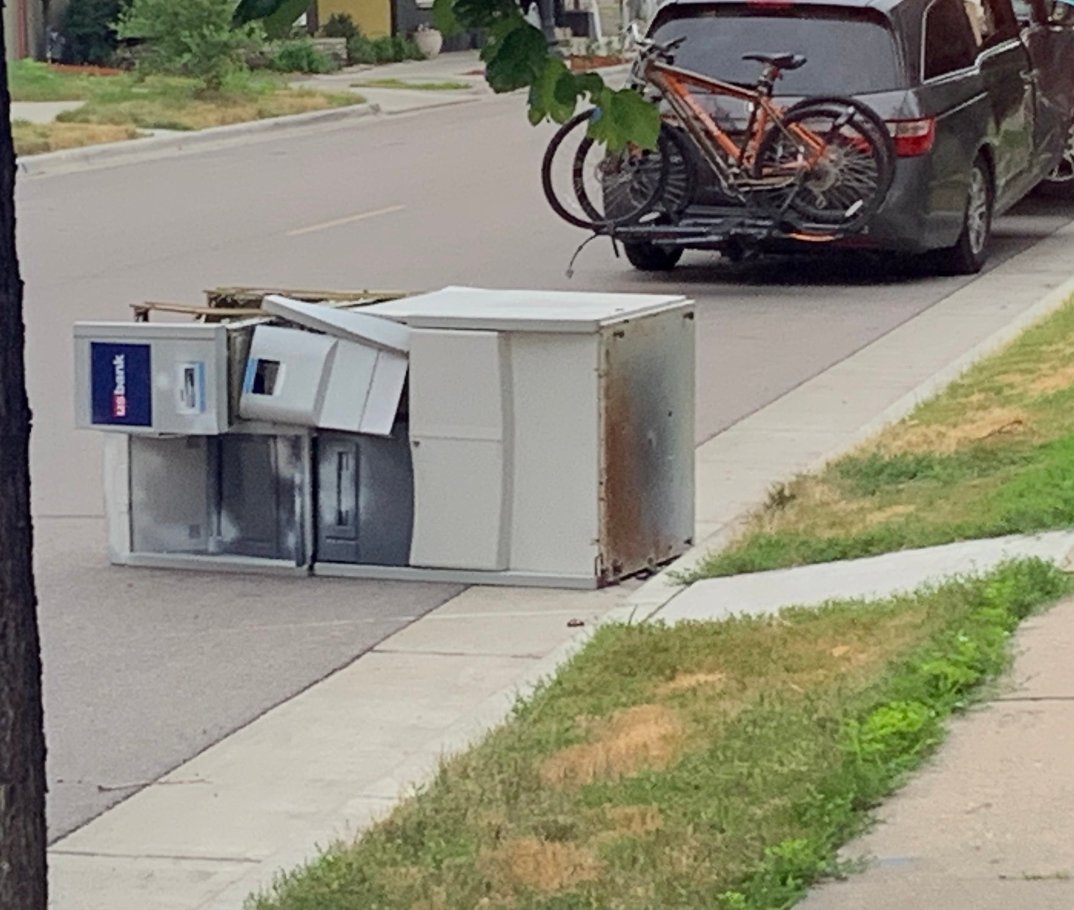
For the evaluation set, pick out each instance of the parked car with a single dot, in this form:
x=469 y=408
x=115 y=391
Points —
x=978 y=97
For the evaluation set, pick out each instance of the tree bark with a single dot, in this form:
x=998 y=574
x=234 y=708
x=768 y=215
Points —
x=23 y=882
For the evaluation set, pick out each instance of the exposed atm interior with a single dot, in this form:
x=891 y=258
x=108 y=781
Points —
x=474 y=435
x=316 y=412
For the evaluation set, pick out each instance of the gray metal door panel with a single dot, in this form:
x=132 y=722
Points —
x=386 y=499
x=170 y=494
x=337 y=498
x=258 y=511
x=365 y=498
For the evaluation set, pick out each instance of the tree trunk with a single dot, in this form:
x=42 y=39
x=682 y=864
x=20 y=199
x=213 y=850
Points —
x=23 y=884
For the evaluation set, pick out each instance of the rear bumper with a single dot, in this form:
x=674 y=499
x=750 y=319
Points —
x=908 y=221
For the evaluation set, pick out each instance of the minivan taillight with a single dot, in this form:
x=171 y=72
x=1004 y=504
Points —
x=913 y=137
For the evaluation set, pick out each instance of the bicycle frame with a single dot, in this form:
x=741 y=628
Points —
x=717 y=147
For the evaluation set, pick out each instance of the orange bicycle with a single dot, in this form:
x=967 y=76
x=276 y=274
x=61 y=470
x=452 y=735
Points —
x=818 y=169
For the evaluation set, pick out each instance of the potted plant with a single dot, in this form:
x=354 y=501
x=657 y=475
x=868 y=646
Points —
x=429 y=40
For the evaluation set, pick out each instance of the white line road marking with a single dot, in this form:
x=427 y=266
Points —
x=350 y=219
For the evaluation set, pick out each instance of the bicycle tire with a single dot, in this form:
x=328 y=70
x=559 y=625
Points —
x=678 y=187
x=597 y=220
x=868 y=176
x=883 y=134
x=681 y=182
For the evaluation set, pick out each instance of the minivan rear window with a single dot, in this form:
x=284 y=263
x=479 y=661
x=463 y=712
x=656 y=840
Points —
x=848 y=51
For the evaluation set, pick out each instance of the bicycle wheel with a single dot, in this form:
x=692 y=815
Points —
x=843 y=186
x=678 y=191
x=593 y=188
x=670 y=202
x=861 y=111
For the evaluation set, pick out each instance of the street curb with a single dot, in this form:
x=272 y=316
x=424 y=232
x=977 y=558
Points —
x=644 y=606
x=140 y=149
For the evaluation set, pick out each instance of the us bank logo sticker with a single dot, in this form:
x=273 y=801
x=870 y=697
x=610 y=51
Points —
x=121 y=384
x=191 y=387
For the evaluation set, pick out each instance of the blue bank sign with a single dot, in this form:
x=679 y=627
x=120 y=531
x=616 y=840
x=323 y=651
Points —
x=122 y=384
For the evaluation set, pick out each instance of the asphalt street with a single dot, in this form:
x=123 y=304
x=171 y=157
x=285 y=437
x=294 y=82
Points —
x=146 y=668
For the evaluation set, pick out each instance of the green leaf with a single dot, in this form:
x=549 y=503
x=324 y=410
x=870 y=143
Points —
x=565 y=89
x=515 y=55
x=554 y=94
x=625 y=118
x=444 y=17
x=590 y=84
x=485 y=13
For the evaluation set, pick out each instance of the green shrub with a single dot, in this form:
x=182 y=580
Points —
x=405 y=49
x=88 y=27
x=393 y=49
x=340 y=25
x=302 y=57
x=360 y=49
x=196 y=38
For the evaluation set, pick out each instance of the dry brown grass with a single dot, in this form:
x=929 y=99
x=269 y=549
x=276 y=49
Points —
x=547 y=867
x=179 y=112
x=978 y=424
x=1055 y=380
x=37 y=138
x=645 y=737
x=879 y=516
x=819 y=507
x=635 y=820
x=199 y=115
x=686 y=682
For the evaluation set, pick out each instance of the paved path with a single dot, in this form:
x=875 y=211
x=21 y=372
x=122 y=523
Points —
x=871 y=578
x=41 y=111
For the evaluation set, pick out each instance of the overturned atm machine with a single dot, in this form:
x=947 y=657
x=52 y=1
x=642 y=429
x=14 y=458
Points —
x=481 y=436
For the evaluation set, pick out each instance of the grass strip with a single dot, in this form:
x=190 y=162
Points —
x=36 y=138
x=716 y=765
x=180 y=104
x=163 y=102
x=993 y=454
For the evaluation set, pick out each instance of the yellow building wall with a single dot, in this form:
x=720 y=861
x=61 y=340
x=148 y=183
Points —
x=373 y=17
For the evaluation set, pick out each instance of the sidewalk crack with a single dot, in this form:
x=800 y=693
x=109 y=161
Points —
x=471 y=654
x=178 y=857
x=1034 y=698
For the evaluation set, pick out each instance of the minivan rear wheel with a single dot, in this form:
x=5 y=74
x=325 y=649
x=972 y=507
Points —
x=648 y=257
x=968 y=256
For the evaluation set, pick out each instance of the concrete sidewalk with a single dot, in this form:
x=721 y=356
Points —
x=870 y=578
x=327 y=762
x=463 y=67
x=41 y=111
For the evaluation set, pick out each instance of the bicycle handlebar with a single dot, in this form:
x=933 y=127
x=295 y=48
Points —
x=651 y=48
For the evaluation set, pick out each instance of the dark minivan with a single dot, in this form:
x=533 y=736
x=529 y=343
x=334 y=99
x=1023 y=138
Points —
x=978 y=97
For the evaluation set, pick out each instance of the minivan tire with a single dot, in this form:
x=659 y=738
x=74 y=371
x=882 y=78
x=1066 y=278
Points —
x=970 y=253
x=648 y=257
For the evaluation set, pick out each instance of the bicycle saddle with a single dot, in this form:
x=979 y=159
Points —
x=779 y=61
